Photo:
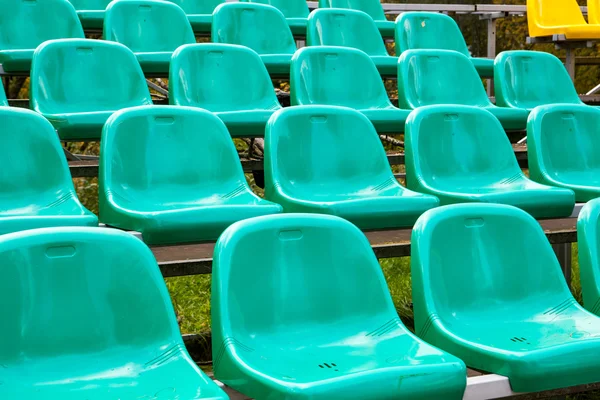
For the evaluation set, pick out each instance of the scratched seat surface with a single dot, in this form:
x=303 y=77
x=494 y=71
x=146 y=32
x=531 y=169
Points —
x=430 y=30
x=350 y=28
x=152 y=29
x=46 y=20
x=77 y=84
x=236 y=23
x=328 y=75
x=371 y=7
x=90 y=318
x=300 y=330
x=487 y=288
x=330 y=160
x=432 y=77
x=461 y=154
x=36 y=189
x=295 y=11
x=173 y=174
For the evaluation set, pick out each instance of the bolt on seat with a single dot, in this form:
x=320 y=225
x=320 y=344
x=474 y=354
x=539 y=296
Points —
x=302 y=331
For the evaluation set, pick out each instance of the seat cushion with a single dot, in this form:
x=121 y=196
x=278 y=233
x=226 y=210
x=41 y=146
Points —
x=510 y=118
x=16 y=60
x=277 y=64
x=247 y=123
x=387 y=120
x=156 y=62
x=582 y=31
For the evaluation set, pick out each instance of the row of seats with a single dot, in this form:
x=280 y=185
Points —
x=153 y=29
x=77 y=84
x=172 y=173
x=488 y=293
x=563 y=17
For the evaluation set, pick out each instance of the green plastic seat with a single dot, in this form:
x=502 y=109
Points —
x=3 y=100
x=371 y=7
x=46 y=20
x=152 y=29
x=433 y=77
x=228 y=80
x=589 y=265
x=88 y=316
x=237 y=23
x=487 y=288
x=295 y=11
x=78 y=83
x=199 y=13
x=436 y=31
x=563 y=146
x=527 y=79
x=327 y=75
x=460 y=154
x=185 y=184
x=350 y=28
x=329 y=160
x=91 y=12
x=301 y=331
x=36 y=189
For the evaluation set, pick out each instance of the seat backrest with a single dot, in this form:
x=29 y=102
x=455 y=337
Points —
x=88 y=5
x=176 y=147
x=474 y=259
x=198 y=7
x=33 y=161
x=75 y=291
x=428 y=30
x=552 y=13
x=306 y=272
x=428 y=77
x=3 y=100
x=457 y=143
x=147 y=25
x=238 y=23
x=346 y=28
x=289 y=8
x=563 y=139
x=45 y=20
x=79 y=75
x=327 y=75
x=527 y=79
x=593 y=12
x=371 y=7
x=320 y=146
x=588 y=240
x=220 y=77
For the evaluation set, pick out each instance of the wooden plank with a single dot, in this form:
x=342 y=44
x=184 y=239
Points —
x=195 y=259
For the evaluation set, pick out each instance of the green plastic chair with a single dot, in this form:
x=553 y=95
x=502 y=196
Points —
x=295 y=11
x=589 y=266
x=3 y=100
x=563 y=146
x=36 y=190
x=341 y=76
x=237 y=23
x=228 y=80
x=350 y=28
x=91 y=12
x=371 y=7
x=173 y=174
x=432 y=77
x=436 y=31
x=329 y=160
x=199 y=13
x=460 y=154
x=88 y=316
x=78 y=83
x=527 y=79
x=318 y=321
x=488 y=288
x=45 y=20
x=152 y=29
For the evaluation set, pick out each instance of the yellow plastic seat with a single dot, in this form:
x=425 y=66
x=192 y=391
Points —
x=559 y=17
x=593 y=9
